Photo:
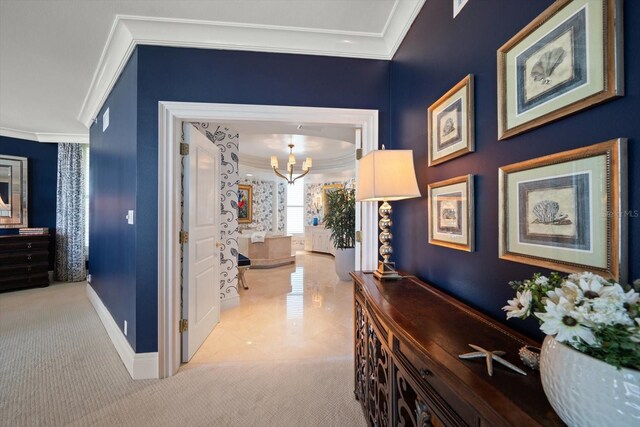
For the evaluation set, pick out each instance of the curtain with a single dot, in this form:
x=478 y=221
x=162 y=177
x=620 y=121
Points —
x=70 y=214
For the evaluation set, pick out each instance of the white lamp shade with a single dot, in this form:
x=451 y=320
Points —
x=305 y=166
x=386 y=175
x=274 y=162
x=292 y=159
x=309 y=162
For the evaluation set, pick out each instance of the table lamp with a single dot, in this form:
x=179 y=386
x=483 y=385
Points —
x=386 y=175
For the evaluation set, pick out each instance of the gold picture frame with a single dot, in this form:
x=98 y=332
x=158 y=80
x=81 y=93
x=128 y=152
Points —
x=567 y=59
x=567 y=211
x=451 y=213
x=325 y=200
x=450 y=123
x=245 y=204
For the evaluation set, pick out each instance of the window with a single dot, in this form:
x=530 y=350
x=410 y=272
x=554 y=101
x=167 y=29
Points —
x=295 y=207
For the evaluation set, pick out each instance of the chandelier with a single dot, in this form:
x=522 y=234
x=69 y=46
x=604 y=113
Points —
x=306 y=166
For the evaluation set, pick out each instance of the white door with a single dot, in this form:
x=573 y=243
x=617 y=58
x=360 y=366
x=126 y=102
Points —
x=201 y=266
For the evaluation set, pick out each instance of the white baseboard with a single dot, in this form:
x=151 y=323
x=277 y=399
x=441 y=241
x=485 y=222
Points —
x=229 y=302
x=141 y=366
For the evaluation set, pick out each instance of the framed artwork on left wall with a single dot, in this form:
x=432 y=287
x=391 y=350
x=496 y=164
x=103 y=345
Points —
x=245 y=204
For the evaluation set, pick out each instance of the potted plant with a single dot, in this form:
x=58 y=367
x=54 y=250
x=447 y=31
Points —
x=341 y=220
x=591 y=355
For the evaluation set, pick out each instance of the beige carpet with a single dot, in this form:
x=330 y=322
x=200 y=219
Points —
x=58 y=367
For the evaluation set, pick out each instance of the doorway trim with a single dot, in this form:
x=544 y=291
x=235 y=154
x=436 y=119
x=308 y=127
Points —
x=171 y=114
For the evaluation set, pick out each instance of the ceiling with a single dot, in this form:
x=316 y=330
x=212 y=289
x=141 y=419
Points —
x=331 y=147
x=59 y=59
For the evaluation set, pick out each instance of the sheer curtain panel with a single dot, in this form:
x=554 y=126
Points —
x=70 y=214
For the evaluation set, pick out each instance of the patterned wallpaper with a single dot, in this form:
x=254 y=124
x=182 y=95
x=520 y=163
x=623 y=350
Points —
x=263 y=194
x=227 y=140
x=282 y=206
x=313 y=199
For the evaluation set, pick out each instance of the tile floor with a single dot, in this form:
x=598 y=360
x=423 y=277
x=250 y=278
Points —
x=294 y=312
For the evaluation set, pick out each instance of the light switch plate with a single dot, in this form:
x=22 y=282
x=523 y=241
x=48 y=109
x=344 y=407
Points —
x=105 y=120
x=130 y=217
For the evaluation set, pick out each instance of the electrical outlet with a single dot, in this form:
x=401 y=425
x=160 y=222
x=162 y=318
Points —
x=125 y=328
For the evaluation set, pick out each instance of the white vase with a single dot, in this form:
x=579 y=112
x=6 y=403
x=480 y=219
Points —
x=585 y=391
x=345 y=263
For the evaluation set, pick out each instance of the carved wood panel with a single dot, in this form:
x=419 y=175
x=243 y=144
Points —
x=412 y=410
x=378 y=379
x=360 y=359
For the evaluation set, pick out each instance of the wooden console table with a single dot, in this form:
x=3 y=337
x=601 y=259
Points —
x=408 y=336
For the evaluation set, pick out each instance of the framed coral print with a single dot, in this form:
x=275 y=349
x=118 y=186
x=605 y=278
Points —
x=450 y=122
x=451 y=217
x=567 y=211
x=567 y=59
x=245 y=204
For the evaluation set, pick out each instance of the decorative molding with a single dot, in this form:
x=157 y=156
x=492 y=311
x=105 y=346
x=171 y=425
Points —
x=127 y=32
x=140 y=366
x=170 y=115
x=45 y=137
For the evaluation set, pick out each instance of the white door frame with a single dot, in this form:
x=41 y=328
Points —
x=171 y=114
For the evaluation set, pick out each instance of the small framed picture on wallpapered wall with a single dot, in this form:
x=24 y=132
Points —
x=245 y=204
x=566 y=211
x=567 y=59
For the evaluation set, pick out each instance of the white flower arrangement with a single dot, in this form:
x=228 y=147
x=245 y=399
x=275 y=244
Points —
x=593 y=315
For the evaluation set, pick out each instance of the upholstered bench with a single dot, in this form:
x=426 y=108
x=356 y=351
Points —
x=243 y=265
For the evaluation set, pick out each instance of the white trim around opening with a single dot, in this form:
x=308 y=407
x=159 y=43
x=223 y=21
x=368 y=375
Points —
x=171 y=114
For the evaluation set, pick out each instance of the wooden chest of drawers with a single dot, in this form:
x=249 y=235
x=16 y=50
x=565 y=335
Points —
x=24 y=261
x=408 y=336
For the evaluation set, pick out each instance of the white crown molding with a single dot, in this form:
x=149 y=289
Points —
x=45 y=137
x=140 y=366
x=128 y=32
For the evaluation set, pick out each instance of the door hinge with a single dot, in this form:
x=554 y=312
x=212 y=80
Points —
x=359 y=236
x=183 y=325
x=184 y=149
x=184 y=237
x=358 y=153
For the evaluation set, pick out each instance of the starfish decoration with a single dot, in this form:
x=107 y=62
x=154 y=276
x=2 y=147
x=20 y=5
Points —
x=490 y=356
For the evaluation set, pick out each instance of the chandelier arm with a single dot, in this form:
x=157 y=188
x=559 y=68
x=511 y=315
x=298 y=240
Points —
x=300 y=176
x=279 y=174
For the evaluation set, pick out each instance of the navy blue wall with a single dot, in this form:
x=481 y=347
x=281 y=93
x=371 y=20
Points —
x=43 y=175
x=112 y=181
x=197 y=75
x=438 y=52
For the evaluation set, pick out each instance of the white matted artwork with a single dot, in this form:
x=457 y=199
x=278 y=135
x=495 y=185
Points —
x=565 y=211
x=451 y=213
x=451 y=123
x=458 y=5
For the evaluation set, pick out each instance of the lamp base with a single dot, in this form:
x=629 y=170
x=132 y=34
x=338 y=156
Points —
x=386 y=271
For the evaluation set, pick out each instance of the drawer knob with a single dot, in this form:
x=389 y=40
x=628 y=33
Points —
x=29 y=257
x=29 y=245
x=424 y=373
